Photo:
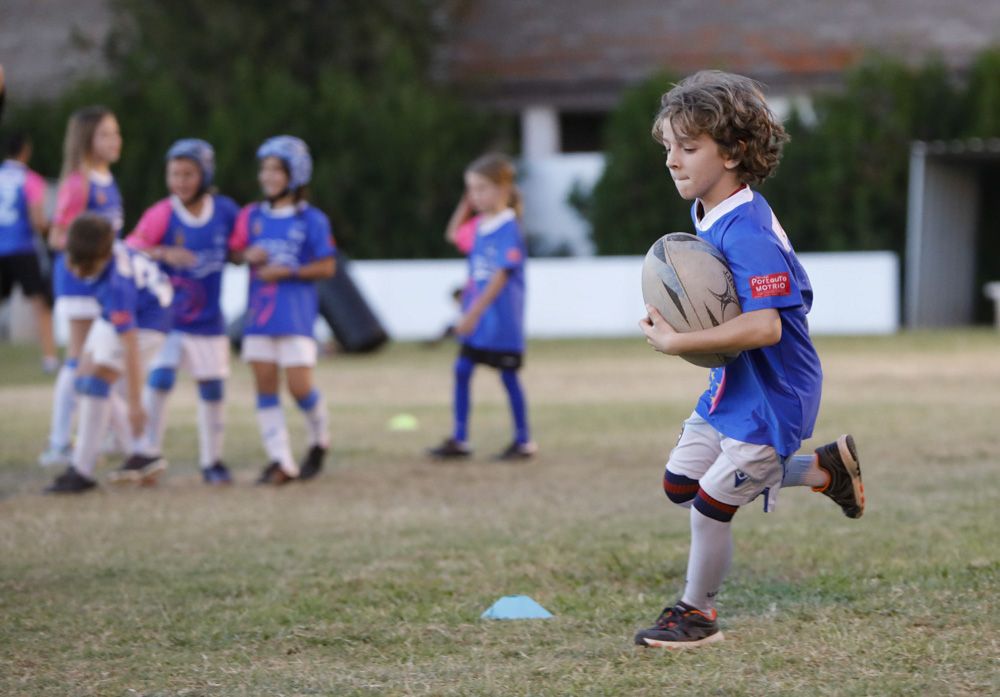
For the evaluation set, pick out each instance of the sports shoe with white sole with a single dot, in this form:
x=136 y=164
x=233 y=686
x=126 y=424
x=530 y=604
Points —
x=70 y=482
x=840 y=460
x=681 y=627
x=139 y=469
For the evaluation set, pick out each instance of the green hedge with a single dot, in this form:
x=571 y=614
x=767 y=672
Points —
x=842 y=183
x=349 y=78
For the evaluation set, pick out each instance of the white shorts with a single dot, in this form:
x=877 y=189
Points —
x=78 y=307
x=205 y=357
x=729 y=470
x=286 y=351
x=104 y=347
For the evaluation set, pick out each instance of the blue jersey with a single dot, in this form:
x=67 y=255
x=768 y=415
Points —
x=20 y=188
x=133 y=292
x=498 y=245
x=767 y=396
x=197 y=289
x=292 y=236
x=94 y=194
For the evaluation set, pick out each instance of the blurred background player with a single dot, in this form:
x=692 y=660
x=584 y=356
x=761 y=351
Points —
x=721 y=137
x=189 y=234
x=134 y=298
x=492 y=325
x=92 y=144
x=288 y=245
x=22 y=215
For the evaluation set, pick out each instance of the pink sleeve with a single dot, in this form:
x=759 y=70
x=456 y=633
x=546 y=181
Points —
x=152 y=226
x=465 y=236
x=241 y=233
x=34 y=188
x=71 y=200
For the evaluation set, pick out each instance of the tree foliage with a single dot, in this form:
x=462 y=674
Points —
x=842 y=183
x=351 y=79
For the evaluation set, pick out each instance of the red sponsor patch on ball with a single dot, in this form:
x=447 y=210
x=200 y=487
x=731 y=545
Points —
x=770 y=285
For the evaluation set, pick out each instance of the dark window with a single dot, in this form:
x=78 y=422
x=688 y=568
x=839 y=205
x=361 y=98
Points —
x=582 y=131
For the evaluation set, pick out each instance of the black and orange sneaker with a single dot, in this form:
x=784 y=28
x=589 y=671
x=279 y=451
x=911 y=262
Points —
x=681 y=627
x=840 y=460
x=273 y=475
x=450 y=449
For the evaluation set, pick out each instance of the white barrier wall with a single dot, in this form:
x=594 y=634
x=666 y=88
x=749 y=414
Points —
x=855 y=293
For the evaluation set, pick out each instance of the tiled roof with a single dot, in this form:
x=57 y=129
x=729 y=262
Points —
x=580 y=52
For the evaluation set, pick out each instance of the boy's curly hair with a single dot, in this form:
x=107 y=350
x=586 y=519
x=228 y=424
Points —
x=731 y=109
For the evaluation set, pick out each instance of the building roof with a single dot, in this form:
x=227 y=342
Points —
x=582 y=53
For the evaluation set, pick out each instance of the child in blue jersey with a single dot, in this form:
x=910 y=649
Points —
x=492 y=325
x=134 y=297
x=288 y=245
x=720 y=137
x=92 y=144
x=189 y=234
x=22 y=216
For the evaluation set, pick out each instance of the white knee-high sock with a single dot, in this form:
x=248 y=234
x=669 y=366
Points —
x=709 y=560
x=154 y=402
x=63 y=406
x=804 y=470
x=314 y=408
x=125 y=441
x=95 y=413
x=211 y=430
x=274 y=433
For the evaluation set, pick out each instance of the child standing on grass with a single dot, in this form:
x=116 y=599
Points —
x=720 y=137
x=289 y=246
x=134 y=299
x=22 y=216
x=92 y=144
x=492 y=325
x=189 y=234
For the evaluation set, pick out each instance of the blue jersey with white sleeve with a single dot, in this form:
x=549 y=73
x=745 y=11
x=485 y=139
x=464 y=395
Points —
x=292 y=236
x=133 y=292
x=771 y=395
x=498 y=246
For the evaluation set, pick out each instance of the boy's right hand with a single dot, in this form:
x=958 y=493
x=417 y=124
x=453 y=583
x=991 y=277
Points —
x=255 y=256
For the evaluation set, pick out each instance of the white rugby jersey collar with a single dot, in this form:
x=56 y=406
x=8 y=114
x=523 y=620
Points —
x=101 y=178
x=207 y=211
x=744 y=195
x=11 y=162
x=490 y=224
x=279 y=212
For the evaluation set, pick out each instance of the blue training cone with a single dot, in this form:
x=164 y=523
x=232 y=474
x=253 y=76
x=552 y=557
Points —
x=516 y=607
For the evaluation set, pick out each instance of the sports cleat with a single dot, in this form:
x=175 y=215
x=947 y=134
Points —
x=274 y=475
x=70 y=482
x=312 y=463
x=139 y=469
x=840 y=460
x=217 y=474
x=518 y=451
x=56 y=457
x=681 y=627
x=450 y=449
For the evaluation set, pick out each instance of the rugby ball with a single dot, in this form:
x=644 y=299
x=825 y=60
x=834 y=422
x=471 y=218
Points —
x=688 y=281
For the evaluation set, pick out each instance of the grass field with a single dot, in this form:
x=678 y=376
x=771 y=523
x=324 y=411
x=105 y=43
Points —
x=371 y=579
